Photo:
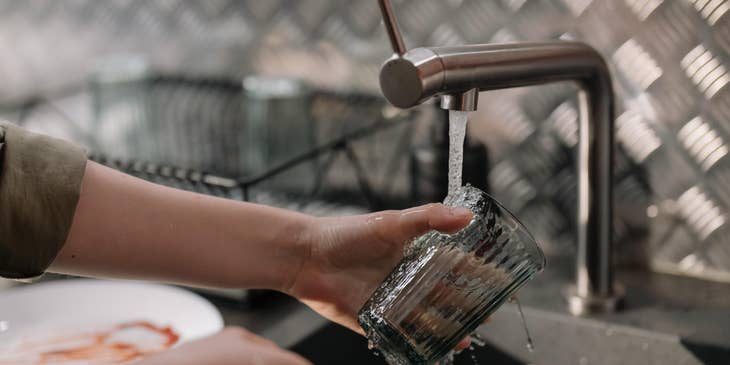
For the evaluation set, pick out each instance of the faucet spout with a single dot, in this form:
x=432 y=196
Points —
x=466 y=101
x=457 y=74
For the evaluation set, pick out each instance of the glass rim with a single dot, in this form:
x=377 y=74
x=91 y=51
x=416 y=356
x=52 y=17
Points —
x=536 y=249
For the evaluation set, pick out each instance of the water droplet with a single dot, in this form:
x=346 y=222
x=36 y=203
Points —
x=474 y=359
x=530 y=345
x=4 y=326
x=477 y=340
x=583 y=361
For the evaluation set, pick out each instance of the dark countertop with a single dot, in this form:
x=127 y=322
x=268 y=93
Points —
x=694 y=309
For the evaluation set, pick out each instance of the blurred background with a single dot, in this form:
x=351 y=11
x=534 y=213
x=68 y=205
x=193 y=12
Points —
x=278 y=102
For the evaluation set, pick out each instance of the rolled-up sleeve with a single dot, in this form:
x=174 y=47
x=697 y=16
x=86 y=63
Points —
x=40 y=182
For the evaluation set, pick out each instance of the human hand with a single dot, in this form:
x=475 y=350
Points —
x=232 y=346
x=348 y=257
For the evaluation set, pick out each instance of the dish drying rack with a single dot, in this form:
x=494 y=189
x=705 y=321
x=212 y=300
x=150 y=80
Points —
x=188 y=123
x=240 y=189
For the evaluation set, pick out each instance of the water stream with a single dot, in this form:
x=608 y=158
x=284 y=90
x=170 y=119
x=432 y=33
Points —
x=426 y=314
x=530 y=345
x=457 y=131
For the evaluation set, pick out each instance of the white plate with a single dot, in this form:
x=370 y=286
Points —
x=49 y=310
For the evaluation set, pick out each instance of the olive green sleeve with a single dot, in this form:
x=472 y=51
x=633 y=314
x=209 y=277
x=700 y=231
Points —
x=40 y=182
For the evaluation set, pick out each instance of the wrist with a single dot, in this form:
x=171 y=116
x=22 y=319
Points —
x=298 y=240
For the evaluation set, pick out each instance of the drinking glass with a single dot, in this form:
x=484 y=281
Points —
x=446 y=285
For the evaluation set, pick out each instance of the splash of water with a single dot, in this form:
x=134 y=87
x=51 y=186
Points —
x=477 y=341
x=457 y=131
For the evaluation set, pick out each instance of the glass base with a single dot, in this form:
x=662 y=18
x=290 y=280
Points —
x=398 y=349
x=394 y=347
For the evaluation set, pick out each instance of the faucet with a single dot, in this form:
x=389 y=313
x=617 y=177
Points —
x=457 y=74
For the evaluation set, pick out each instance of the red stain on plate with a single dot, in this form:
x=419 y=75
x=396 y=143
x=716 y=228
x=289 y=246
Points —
x=121 y=343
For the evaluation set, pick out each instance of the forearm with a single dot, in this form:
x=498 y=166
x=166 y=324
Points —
x=125 y=227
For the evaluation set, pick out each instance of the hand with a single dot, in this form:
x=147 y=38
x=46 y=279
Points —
x=348 y=257
x=232 y=346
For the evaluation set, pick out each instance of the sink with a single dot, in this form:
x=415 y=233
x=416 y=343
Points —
x=334 y=344
x=563 y=339
x=665 y=320
x=559 y=339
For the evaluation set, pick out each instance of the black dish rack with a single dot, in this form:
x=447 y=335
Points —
x=180 y=132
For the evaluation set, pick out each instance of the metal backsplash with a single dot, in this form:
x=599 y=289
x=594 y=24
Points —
x=669 y=58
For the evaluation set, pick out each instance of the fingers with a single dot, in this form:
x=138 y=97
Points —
x=240 y=334
x=466 y=341
x=463 y=344
x=261 y=351
x=232 y=346
x=419 y=220
x=402 y=226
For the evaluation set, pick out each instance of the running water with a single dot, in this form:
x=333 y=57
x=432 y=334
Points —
x=419 y=312
x=457 y=131
x=530 y=345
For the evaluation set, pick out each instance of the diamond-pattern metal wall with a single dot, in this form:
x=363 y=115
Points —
x=670 y=60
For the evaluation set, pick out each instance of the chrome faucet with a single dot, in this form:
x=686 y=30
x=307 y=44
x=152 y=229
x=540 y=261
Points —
x=457 y=74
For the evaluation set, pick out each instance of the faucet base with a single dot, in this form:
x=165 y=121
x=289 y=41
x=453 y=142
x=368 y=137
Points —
x=579 y=305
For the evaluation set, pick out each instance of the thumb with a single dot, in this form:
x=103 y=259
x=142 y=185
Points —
x=405 y=225
x=232 y=346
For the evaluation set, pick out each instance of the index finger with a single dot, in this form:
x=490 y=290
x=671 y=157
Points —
x=435 y=216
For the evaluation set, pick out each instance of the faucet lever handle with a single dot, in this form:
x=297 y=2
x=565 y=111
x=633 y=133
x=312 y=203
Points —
x=391 y=26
